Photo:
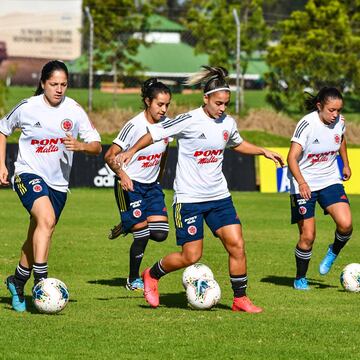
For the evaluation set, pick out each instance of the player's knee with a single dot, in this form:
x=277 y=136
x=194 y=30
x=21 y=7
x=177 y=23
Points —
x=158 y=230
x=190 y=258
x=159 y=235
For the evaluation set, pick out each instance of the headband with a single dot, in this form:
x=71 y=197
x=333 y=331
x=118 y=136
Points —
x=217 y=89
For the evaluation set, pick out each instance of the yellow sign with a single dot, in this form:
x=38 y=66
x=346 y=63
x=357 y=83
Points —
x=275 y=180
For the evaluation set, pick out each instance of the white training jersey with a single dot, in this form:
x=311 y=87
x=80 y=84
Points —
x=41 y=143
x=320 y=144
x=201 y=144
x=144 y=167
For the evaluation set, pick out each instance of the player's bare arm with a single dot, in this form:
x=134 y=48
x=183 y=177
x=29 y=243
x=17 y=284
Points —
x=3 y=169
x=125 y=157
x=111 y=158
x=292 y=159
x=251 y=149
x=72 y=144
x=345 y=160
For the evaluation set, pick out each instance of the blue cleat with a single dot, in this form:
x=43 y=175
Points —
x=17 y=293
x=301 y=284
x=135 y=285
x=327 y=262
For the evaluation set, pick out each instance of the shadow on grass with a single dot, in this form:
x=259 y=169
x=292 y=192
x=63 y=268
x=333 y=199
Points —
x=109 y=282
x=288 y=281
x=179 y=301
x=30 y=308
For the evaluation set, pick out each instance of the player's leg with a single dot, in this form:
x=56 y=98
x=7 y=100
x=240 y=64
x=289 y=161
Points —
x=156 y=211
x=16 y=283
x=188 y=220
x=190 y=253
x=303 y=252
x=117 y=229
x=35 y=197
x=335 y=203
x=303 y=214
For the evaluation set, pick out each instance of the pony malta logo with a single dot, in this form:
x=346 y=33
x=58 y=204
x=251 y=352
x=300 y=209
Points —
x=149 y=160
x=47 y=145
x=67 y=125
x=207 y=156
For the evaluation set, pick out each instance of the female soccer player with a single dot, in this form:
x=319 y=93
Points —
x=138 y=193
x=50 y=123
x=201 y=191
x=314 y=177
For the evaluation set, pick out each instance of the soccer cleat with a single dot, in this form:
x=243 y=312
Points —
x=244 y=304
x=151 y=292
x=116 y=231
x=327 y=262
x=135 y=285
x=17 y=293
x=301 y=284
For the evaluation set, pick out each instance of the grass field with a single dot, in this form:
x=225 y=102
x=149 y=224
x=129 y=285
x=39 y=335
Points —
x=105 y=321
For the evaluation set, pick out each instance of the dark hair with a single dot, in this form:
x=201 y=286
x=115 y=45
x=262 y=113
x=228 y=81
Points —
x=151 y=88
x=212 y=77
x=47 y=71
x=322 y=97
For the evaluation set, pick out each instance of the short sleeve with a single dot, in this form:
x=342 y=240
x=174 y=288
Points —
x=125 y=138
x=87 y=131
x=301 y=133
x=235 y=138
x=170 y=127
x=11 y=121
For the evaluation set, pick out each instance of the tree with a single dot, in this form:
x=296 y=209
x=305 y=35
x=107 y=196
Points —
x=212 y=24
x=318 y=46
x=115 y=23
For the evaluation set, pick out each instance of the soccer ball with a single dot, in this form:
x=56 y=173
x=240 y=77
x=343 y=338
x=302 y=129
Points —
x=195 y=272
x=50 y=296
x=203 y=294
x=350 y=277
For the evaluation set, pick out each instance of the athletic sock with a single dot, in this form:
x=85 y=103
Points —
x=239 y=284
x=40 y=271
x=340 y=241
x=137 y=249
x=302 y=258
x=157 y=271
x=22 y=275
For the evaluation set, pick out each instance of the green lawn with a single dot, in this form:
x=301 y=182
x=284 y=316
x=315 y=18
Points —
x=105 y=321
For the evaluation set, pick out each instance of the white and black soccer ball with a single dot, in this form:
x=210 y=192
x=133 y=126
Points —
x=195 y=272
x=203 y=294
x=350 y=277
x=50 y=296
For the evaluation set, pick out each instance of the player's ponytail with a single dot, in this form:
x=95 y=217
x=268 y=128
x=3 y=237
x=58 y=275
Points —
x=213 y=78
x=47 y=71
x=151 y=88
x=321 y=97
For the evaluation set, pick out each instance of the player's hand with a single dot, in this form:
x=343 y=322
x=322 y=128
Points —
x=277 y=158
x=346 y=173
x=72 y=144
x=126 y=182
x=4 y=176
x=124 y=157
x=305 y=191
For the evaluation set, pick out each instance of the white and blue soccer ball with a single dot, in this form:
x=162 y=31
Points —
x=195 y=272
x=50 y=296
x=203 y=294
x=350 y=277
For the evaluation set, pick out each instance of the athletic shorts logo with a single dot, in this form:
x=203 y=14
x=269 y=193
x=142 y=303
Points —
x=192 y=230
x=37 y=188
x=137 y=213
x=67 y=125
x=226 y=135
x=343 y=197
x=337 y=139
x=302 y=210
x=166 y=141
